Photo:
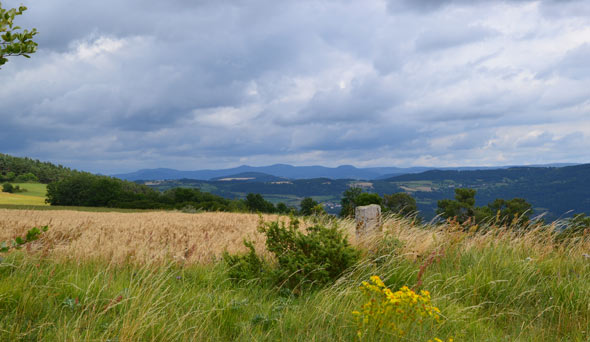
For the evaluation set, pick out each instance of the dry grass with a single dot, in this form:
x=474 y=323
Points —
x=201 y=238
x=135 y=237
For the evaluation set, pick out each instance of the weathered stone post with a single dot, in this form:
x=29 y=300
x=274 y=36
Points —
x=368 y=220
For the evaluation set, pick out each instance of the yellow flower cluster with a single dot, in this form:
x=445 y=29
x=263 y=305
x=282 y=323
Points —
x=395 y=312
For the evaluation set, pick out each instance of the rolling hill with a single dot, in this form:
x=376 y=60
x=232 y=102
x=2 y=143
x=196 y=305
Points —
x=555 y=191
x=277 y=170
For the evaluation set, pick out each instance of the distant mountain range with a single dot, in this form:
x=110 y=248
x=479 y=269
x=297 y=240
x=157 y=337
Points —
x=295 y=172
x=553 y=191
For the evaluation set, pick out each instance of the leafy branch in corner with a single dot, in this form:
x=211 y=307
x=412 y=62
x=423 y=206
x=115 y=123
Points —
x=13 y=42
x=32 y=235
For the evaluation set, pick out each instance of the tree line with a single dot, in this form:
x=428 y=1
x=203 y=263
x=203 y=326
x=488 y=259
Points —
x=461 y=209
x=23 y=170
x=88 y=190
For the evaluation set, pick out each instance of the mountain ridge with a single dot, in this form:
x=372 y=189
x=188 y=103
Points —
x=302 y=172
x=553 y=191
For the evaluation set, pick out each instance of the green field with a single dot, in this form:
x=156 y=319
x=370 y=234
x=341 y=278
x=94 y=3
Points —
x=34 y=199
x=72 y=208
x=35 y=195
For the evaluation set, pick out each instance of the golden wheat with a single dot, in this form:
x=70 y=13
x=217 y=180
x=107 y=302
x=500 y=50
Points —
x=201 y=238
x=135 y=237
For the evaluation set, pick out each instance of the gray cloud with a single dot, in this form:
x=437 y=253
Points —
x=574 y=64
x=447 y=37
x=197 y=84
x=432 y=5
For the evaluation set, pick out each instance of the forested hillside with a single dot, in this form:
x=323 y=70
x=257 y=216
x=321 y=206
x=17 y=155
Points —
x=19 y=169
x=555 y=191
x=559 y=191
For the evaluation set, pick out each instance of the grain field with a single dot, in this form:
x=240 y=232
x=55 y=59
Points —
x=135 y=237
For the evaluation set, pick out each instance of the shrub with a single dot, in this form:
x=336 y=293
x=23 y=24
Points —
x=7 y=187
x=313 y=259
x=248 y=266
x=316 y=258
x=12 y=189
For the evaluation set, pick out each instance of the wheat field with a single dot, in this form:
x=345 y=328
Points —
x=147 y=237
x=135 y=237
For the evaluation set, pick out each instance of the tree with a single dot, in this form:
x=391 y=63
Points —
x=348 y=201
x=462 y=208
x=355 y=197
x=13 y=42
x=255 y=202
x=282 y=208
x=508 y=211
x=367 y=198
x=400 y=203
x=318 y=210
x=9 y=177
x=307 y=205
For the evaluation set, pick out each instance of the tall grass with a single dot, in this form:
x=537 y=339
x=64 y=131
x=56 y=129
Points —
x=502 y=285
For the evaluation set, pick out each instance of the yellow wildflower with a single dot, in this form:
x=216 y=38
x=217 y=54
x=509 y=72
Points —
x=396 y=311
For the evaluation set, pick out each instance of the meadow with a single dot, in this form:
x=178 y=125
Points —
x=34 y=195
x=157 y=276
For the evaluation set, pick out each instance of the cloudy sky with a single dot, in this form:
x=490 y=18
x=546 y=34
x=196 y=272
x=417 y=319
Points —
x=122 y=85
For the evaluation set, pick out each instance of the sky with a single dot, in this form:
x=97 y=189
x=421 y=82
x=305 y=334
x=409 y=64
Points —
x=118 y=86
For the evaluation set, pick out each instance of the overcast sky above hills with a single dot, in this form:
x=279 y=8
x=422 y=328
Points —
x=123 y=85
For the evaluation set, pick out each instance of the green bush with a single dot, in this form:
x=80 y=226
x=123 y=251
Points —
x=248 y=266
x=316 y=258
x=304 y=260
x=7 y=187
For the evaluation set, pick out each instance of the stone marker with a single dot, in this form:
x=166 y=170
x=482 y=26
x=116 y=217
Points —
x=368 y=220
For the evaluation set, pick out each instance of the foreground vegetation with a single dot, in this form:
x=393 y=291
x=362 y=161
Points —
x=498 y=284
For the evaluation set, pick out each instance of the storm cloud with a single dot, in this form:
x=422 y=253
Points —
x=118 y=86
